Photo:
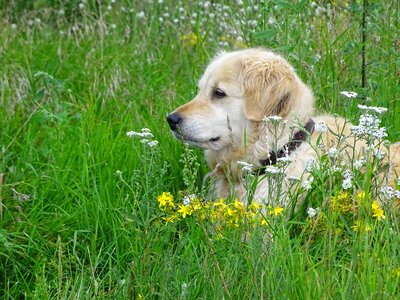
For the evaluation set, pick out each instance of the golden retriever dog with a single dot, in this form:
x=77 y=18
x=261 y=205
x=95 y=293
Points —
x=252 y=107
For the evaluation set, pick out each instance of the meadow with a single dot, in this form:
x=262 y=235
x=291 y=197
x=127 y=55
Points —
x=93 y=188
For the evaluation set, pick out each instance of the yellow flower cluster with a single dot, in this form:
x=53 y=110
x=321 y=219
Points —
x=233 y=214
x=346 y=204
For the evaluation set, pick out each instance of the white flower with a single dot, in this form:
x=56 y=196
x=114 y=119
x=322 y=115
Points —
x=113 y=26
x=347 y=174
x=246 y=167
x=294 y=178
x=284 y=160
x=310 y=164
x=397 y=194
x=349 y=94
x=359 y=163
x=313 y=212
x=14 y=26
x=320 y=126
x=118 y=173
x=140 y=15
x=152 y=144
x=272 y=118
x=273 y=170
x=347 y=184
x=145 y=134
x=378 y=110
x=81 y=5
x=308 y=182
x=387 y=192
x=369 y=127
x=187 y=200
x=379 y=154
x=333 y=152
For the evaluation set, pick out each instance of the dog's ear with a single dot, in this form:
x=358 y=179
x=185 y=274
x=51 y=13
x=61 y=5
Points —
x=269 y=86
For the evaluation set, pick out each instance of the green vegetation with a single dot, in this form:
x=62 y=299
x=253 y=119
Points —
x=79 y=216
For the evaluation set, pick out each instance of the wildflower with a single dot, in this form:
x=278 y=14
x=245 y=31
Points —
x=307 y=184
x=360 y=197
x=254 y=207
x=313 y=212
x=274 y=119
x=152 y=144
x=264 y=222
x=310 y=164
x=320 y=126
x=377 y=212
x=369 y=127
x=341 y=203
x=397 y=194
x=333 y=152
x=276 y=211
x=166 y=200
x=360 y=226
x=347 y=184
x=246 y=167
x=189 y=39
x=387 y=192
x=171 y=218
x=118 y=173
x=140 y=15
x=359 y=163
x=81 y=5
x=220 y=203
x=238 y=205
x=378 y=110
x=184 y=210
x=273 y=170
x=349 y=94
x=113 y=26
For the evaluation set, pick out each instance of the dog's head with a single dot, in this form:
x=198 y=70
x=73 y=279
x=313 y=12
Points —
x=237 y=89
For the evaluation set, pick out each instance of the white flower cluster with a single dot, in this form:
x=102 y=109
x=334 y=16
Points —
x=313 y=212
x=273 y=170
x=274 y=119
x=333 y=152
x=246 y=167
x=347 y=180
x=369 y=127
x=145 y=136
x=376 y=109
x=188 y=199
x=307 y=183
x=389 y=193
x=320 y=126
x=349 y=94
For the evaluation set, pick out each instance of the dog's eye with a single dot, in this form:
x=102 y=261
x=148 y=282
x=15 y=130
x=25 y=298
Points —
x=218 y=93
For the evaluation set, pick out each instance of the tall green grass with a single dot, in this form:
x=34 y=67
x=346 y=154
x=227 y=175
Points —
x=79 y=215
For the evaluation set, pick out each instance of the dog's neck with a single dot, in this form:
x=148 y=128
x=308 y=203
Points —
x=262 y=138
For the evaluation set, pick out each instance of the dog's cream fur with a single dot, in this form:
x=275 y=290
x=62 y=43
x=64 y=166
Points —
x=237 y=91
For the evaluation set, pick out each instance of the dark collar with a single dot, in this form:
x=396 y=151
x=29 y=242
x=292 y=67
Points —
x=298 y=138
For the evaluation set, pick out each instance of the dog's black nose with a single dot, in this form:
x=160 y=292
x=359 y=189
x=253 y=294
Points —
x=173 y=120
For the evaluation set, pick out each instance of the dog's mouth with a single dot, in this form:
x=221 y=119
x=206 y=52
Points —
x=196 y=142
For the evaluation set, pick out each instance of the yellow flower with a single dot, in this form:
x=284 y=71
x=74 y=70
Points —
x=360 y=197
x=238 y=205
x=221 y=203
x=360 y=226
x=184 y=210
x=166 y=200
x=189 y=39
x=277 y=211
x=254 y=207
x=377 y=212
x=264 y=222
x=171 y=219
